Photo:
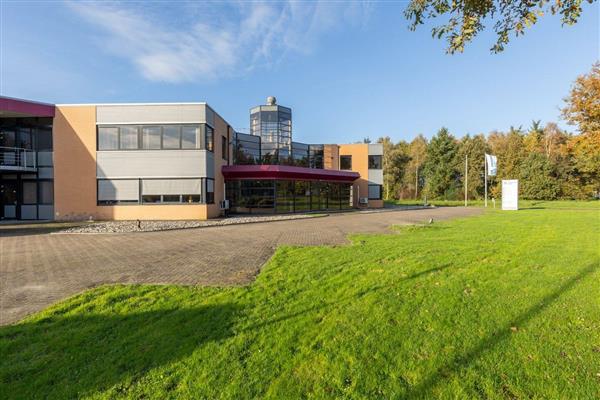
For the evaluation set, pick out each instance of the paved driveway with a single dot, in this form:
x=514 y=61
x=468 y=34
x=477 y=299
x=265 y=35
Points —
x=37 y=270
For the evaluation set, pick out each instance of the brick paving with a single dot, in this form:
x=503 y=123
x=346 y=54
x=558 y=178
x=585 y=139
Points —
x=38 y=269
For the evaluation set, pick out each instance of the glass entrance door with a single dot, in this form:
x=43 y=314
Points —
x=8 y=199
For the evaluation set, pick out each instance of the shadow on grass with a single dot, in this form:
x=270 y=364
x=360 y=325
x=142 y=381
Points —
x=69 y=357
x=462 y=361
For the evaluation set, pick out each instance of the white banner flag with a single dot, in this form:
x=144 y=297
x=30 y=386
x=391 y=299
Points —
x=491 y=162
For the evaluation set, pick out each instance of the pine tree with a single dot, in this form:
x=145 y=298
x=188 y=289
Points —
x=441 y=173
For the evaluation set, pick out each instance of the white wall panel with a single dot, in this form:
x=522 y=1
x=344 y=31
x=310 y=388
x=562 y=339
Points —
x=151 y=113
x=155 y=164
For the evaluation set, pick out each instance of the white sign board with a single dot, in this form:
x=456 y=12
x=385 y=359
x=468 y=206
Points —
x=510 y=194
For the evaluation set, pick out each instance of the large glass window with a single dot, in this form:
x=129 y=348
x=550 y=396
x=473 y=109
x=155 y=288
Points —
x=346 y=162
x=375 y=162
x=285 y=196
x=29 y=192
x=209 y=138
x=46 y=192
x=128 y=138
x=171 y=137
x=224 y=148
x=374 y=192
x=151 y=137
x=189 y=137
x=108 y=138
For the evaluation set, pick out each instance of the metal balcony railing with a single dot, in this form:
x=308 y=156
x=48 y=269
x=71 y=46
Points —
x=17 y=159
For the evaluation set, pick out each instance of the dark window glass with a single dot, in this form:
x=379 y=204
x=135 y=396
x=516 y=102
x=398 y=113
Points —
x=285 y=196
x=302 y=195
x=375 y=162
x=128 y=138
x=209 y=137
x=108 y=138
x=46 y=192
x=151 y=137
x=345 y=162
x=25 y=141
x=191 y=198
x=224 y=148
x=29 y=192
x=171 y=198
x=210 y=191
x=171 y=137
x=8 y=139
x=44 y=138
x=189 y=137
x=151 y=198
x=374 y=192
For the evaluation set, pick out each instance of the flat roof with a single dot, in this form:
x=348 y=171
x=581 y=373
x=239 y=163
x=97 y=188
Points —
x=11 y=107
x=236 y=172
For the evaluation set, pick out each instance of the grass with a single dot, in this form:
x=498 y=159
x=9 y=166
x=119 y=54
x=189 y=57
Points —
x=523 y=204
x=502 y=306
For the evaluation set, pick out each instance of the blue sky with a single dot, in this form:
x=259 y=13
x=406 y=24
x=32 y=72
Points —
x=348 y=70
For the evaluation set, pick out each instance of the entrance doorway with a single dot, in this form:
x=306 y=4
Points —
x=8 y=199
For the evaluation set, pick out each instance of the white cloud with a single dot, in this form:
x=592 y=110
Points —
x=204 y=42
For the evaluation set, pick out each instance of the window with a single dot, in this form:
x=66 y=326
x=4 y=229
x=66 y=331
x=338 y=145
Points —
x=128 y=138
x=345 y=162
x=374 y=192
x=224 y=148
x=209 y=135
x=44 y=138
x=108 y=138
x=210 y=191
x=46 y=192
x=29 y=192
x=151 y=198
x=191 y=198
x=118 y=191
x=151 y=137
x=189 y=137
x=375 y=162
x=171 y=137
x=171 y=198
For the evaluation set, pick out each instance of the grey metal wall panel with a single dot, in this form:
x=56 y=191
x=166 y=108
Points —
x=376 y=176
x=28 y=212
x=376 y=149
x=45 y=159
x=154 y=164
x=151 y=113
x=45 y=212
x=45 y=172
x=171 y=186
x=10 y=211
x=120 y=189
x=210 y=165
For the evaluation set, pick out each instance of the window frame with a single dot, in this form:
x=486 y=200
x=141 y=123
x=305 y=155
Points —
x=380 y=192
x=346 y=157
x=376 y=156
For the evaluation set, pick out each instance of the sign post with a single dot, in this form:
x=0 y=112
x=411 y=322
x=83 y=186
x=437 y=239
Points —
x=510 y=194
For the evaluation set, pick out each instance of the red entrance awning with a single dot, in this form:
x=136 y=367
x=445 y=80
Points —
x=236 y=172
x=11 y=108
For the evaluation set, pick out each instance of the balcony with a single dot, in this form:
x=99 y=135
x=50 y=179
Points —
x=17 y=159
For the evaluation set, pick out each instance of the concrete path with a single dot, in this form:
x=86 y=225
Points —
x=38 y=269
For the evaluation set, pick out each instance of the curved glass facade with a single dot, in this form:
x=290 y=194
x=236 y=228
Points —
x=287 y=196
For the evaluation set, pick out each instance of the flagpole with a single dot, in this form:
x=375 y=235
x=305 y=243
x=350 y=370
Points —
x=485 y=181
x=466 y=177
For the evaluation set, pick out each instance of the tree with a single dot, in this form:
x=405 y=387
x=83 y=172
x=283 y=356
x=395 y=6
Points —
x=465 y=19
x=474 y=148
x=583 y=104
x=413 y=181
x=395 y=158
x=510 y=150
x=537 y=178
x=441 y=173
x=583 y=110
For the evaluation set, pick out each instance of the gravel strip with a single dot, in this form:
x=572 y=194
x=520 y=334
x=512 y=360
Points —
x=153 y=226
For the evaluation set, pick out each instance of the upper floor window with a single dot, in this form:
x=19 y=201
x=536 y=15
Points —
x=153 y=137
x=345 y=162
x=210 y=138
x=224 y=148
x=375 y=162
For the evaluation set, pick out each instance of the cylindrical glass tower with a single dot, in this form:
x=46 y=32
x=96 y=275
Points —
x=273 y=123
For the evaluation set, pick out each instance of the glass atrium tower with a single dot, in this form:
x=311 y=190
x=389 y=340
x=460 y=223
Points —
x=273 y=123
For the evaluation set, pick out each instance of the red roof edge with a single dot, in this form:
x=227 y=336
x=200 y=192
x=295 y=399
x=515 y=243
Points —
x=30 y=108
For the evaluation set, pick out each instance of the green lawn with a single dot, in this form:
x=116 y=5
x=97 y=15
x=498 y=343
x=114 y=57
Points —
x=523 y=204
x=502 y=306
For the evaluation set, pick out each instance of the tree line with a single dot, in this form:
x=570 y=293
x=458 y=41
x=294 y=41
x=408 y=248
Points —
x=549 y=162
